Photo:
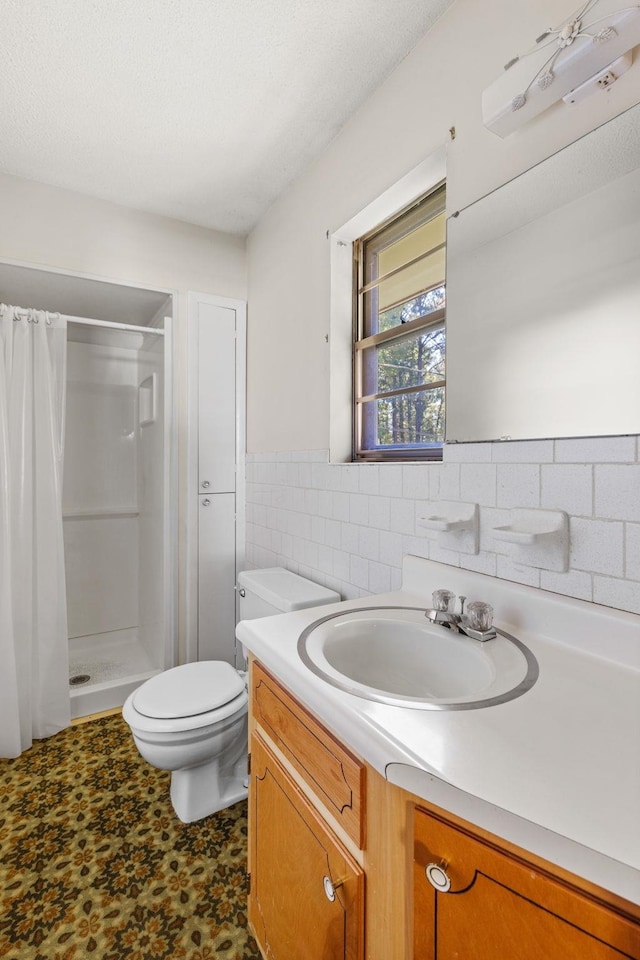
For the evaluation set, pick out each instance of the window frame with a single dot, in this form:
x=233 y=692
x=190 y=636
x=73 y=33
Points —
x=362 y=342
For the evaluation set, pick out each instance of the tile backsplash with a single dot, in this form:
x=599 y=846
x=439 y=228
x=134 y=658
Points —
x=348 y=525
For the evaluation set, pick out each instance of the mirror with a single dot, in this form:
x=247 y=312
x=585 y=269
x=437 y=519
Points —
x=543 y=297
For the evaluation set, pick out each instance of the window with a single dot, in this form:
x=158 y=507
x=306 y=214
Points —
x=399 y=346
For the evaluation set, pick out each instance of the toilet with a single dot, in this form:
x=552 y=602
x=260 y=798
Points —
x=192 y=719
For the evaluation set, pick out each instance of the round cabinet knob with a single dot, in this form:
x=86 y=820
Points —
x=205 y=484
x=330 y=887
x=206 y=502
x=437 y=877
x=329 y=890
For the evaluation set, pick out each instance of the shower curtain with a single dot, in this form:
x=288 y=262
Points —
x=34 y=677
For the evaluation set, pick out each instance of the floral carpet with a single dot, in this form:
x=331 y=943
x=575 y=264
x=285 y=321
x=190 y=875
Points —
x=94 y=862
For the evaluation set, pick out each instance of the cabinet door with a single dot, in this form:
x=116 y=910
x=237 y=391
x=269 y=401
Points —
x=216 y=576
x=216 y=399
x=500 y=906
x=306 y=898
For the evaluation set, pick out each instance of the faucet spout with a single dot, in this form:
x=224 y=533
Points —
x=444 y=617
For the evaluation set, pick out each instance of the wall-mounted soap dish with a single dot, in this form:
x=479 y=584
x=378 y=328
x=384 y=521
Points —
x=513 y=534
x=455 y=522
x=147 y=393
x=540 y=538
x=441 y=524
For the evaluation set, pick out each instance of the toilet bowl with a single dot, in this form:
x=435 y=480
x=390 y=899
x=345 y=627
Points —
x=192 y=719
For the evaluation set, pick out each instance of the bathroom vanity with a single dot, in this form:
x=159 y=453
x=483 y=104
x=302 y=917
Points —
x=379 y=830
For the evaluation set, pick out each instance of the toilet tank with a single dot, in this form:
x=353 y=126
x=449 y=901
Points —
x=276 y=590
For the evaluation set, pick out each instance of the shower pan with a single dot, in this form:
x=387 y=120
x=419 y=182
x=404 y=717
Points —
x=116 y=512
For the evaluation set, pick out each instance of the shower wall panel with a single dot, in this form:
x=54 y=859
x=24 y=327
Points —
x=101 y=562
x=100 y=492
x=100 y=455
x=151 y=481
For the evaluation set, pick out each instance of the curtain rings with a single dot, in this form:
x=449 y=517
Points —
x=29 y=314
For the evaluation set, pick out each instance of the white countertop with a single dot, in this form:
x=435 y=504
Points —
x=556 y=770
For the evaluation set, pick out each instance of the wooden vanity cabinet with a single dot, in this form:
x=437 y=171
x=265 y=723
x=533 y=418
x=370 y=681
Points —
x=322 y=824
x=306 y=894
x=500 y=904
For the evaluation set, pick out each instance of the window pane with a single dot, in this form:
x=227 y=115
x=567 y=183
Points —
x=414 y=420
x=396 y=236
x=401 y=287
x=416 y=359
x=412 y=280
x=429 y=235
x=416 y=307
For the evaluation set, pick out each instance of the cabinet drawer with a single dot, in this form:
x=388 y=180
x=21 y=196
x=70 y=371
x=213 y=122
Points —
x=335 y=776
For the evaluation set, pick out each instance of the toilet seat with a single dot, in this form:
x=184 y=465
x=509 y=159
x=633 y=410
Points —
x=188 y=690
x=220 y=682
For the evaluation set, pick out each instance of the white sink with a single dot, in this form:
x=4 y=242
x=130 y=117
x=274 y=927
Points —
x=395 y=655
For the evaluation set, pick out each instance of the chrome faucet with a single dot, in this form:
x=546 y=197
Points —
x=477 y=623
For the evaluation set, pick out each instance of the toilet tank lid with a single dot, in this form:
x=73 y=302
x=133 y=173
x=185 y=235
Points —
x=285 y=590
x=188 y=690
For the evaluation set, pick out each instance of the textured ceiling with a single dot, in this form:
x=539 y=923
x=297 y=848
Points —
x=203 y=110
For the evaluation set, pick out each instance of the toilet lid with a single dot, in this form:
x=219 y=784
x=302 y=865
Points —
x=188 y=690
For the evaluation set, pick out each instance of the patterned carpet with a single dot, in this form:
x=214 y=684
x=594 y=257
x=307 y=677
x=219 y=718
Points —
x=95 y=864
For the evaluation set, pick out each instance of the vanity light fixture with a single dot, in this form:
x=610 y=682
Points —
x=587 y=52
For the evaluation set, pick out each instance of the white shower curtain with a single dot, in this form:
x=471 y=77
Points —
x=34 y=671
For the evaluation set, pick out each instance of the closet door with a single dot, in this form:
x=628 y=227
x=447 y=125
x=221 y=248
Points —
x=215 y=333
x=216 y=399
x=216 y=577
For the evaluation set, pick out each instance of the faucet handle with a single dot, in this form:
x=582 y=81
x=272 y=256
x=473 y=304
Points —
x=443 y=600
x=480 y=615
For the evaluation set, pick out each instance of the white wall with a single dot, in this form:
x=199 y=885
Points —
x=46 y=226
x=438 y=86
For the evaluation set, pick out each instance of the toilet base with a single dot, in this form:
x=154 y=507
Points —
x=197 y=792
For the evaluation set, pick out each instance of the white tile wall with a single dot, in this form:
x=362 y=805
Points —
x=348 y=525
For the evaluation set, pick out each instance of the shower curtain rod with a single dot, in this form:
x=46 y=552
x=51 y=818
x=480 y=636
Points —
x=111 y=325
x=108 y=324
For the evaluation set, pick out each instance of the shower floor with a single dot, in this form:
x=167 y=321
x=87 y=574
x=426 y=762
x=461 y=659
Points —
x=116 y=663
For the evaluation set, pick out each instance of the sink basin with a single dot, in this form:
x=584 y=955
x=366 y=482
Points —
x=395 y=655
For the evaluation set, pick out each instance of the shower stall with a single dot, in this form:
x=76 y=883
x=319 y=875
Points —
x=114 y=510
x=119 y=485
